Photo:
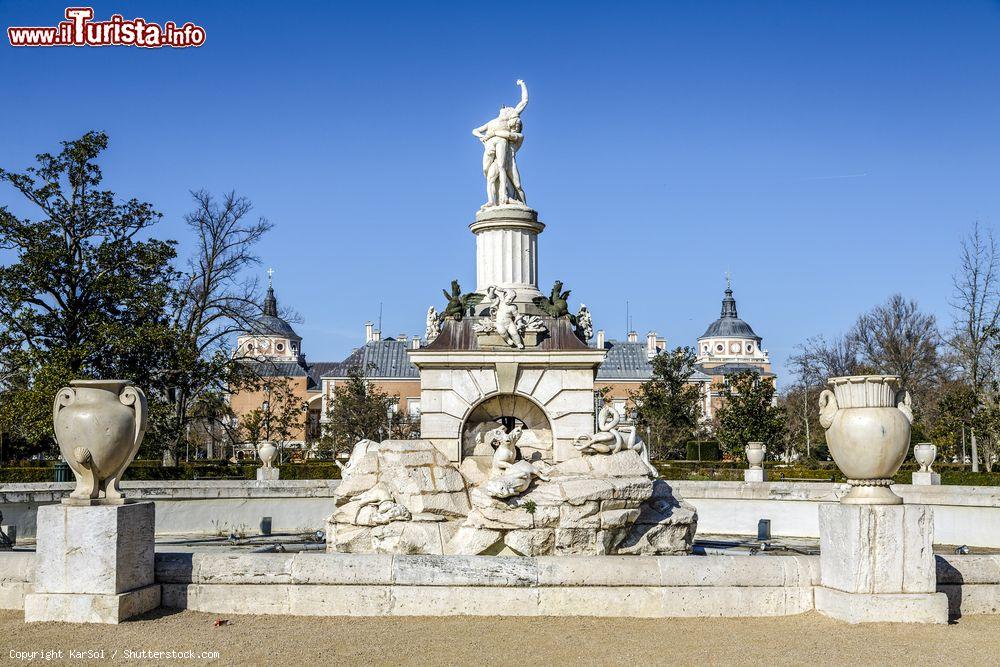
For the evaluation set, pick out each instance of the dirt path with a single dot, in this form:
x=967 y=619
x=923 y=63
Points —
x=257 y=640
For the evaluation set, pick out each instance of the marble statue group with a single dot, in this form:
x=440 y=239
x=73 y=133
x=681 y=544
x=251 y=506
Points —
x=502 y=137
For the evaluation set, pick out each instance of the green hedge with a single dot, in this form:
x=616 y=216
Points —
x=704 y=450
x=151 y=471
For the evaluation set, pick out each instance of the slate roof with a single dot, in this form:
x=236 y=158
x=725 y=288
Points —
x=729 y=325
x=629 y=361
x=293 y=369
x=379 y=359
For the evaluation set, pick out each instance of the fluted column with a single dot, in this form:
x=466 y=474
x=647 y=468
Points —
x=507 y=250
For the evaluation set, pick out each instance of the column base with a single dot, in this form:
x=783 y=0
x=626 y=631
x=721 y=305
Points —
x=90 y=607
x=754 y=475
x=882 y=607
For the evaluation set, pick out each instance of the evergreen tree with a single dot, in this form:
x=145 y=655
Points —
x=359 y=411
x=749 y=414
x=668 y=406
x=85 y=294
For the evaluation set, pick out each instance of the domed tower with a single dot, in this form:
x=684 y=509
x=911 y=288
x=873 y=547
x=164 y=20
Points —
x=730 y=340
x=270 y=337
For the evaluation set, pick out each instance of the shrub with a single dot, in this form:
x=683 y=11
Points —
x=703 y=450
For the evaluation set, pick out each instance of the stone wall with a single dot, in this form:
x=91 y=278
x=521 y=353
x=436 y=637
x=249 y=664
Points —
x=195 y=507
x=382 y=584
x=962 y=514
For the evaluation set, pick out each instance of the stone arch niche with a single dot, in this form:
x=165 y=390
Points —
x=508 y=410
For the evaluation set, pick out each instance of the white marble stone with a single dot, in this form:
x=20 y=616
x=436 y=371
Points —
x=925 y=478
x=94 y=564
x=755 y=475
x=877 y=564
x=90 y=607
x=877 y=549
x=268 y=474
x=95 y=550
x=882 y=607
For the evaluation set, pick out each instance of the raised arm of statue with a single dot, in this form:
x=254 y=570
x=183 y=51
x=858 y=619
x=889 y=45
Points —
x=524 y=98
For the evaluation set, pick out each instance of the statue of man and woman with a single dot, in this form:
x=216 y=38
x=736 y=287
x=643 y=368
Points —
x=502 y=137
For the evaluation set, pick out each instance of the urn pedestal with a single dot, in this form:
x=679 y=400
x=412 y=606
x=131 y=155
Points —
x=94 y=564
x=268 y=474
x=877 y=564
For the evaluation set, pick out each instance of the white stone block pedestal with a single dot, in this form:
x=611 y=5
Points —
x=877 y=564
x=94 y=564
x=267 y=474
x=925 y=479
x=754 y=475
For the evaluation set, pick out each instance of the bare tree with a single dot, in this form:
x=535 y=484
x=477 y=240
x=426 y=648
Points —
x=897 y=339
x=819 y=359
x=214 y=300
x=976 y=301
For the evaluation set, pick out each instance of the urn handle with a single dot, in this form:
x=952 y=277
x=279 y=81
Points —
x=827 y=408
x=64 y=398
x=134 y=397
x=905 y=404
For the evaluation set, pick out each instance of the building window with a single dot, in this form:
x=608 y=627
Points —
x=749 y=348
x=413 y=407
x=280 y=347
x=720 y=348
x=250 y=346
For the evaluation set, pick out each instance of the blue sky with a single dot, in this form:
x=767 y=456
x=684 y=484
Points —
x=826 y=154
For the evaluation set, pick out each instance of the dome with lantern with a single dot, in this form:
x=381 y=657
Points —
x=730 y=339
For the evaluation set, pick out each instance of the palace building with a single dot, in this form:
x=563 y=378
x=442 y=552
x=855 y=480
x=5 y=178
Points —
x=729 y=345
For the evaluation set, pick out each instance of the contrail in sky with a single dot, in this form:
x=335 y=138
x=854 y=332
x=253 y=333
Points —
x=827 y=178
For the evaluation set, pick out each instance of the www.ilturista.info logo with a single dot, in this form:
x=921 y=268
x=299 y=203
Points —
x=79 y=29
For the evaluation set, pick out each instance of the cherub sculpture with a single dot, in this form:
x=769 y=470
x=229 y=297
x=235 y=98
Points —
x=433 y=324
x=503 y=316
x=508 y=476
x=584 y=324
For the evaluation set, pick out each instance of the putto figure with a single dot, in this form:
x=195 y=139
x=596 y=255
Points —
x=502 y=137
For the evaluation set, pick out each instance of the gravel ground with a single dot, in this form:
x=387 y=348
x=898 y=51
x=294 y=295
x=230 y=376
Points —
x=288 y=640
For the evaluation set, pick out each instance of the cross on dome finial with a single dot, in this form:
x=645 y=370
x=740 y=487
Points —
x=270 y=272
x=729 y=280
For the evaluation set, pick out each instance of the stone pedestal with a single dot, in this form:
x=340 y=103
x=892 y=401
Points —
x=926 y=479
x=754 y=475
x=507 y=250
x=268 y=474
x=877 y=564
x=94 y=564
